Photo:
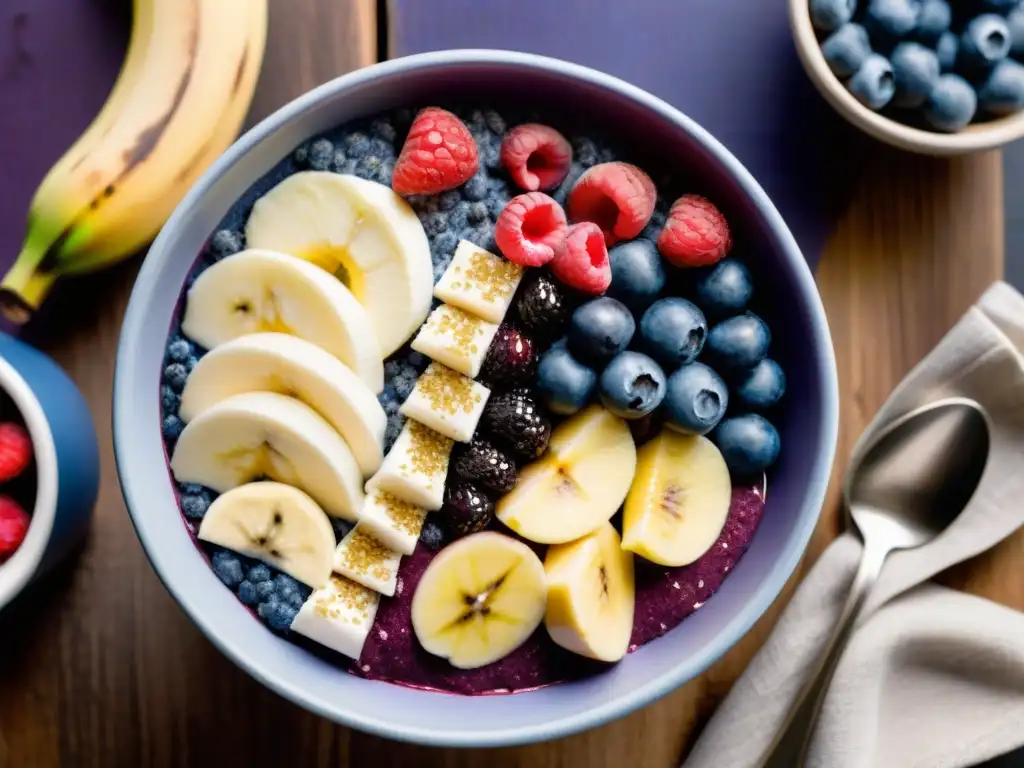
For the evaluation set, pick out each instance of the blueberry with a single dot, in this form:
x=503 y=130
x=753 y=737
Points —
x=476 y=213
x=495 y=204
x=383 y=128
x=695 y=399
x=357 y=145
x=725 y=289
x=951 y=105
x=444 y=244
x=265 y=589
x=321 y=155
x=286 y=587
x=434 y=223
x=738 y=343
x=749 y=445
x=917 y=71
x=192 y=488
x=179 y=350
x=247 y=593
x=934 y=19
x=226 y=242
x=432 y=535
x=638 y=274
x=301 y=155
x=830 y=15
x=258 y=574
x=563 y=382
x=673 y=331
x=175 y=375
x=999 y=6
x=342 y=528
x=279 y=615
x=169 y=399
x=600 y=329
x=874 y=83
x=1002 y=92
x=458 y=218
x=584 y=150
x=194 y=505
x=405 y=383
x=228 y=568
x=761 y=387
x=985 y=41
x=1015 y=23
x=632 y=385
x=891 y=19
x=846 y=49
x=172 y=427
x=495 y=122
x=947 y=49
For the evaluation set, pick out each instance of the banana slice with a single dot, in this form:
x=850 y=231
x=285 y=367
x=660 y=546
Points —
x=591 y=591
x=265 y=435
x=277 y=524
x=288 y=365
x=339 y=616
x=479 y=600
x=360 y=231
x=455 y=338
x=416 y=467
x=479 y=282
x=258 y=290
x=394 y=523
x=367 y=561
x=679 y=500
x=447 y=402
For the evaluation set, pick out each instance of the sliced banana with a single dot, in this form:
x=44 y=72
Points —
x=339 y=616
x=416 y=467
x=360 y=231
x=365 y=560
x=479 y=282
x=455 y=338
x=260 y=290
x=275 y=523
x=447 y=402
x=479 y=600
x=394 y=523
x=259 y=435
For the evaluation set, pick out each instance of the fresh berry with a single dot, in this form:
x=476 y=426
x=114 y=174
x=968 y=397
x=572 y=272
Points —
x=536 y=156
x=724 y=290
x=846 y=49
x=874 y=84
x=933 y=20
x=194 y=505
x=483 y=464
x=951 y=104
x=749 y=445
x=466 y=509
x=15 y=450
x=510 y=359
x=516 y=419
x=916 y=69
x=169 y=399
x=738 y=343
x=529 y=228
x=563 y=382
x=632 y=385
x=695 y=399
x=259 y=573
x=892 y=19
x=985 y=41
x=439 y=154
x=290 y=591
x=247 y=593
x=228 y=568
x=278 y=615
x=1015 y=22
x=618 y=197
x=761 y=387
x=947 y=50
x=227 y=242
x=175 y=374
x=673 y=331
x=542 y=306
x=14 y=522
x=321 y=155
x=581 y=259
x=638 y=275
x=829 y=15
x=179 y=351
x=432 y=535
x=172 y=427
x=599 y=330
x=696 y=233
x=1002 y=92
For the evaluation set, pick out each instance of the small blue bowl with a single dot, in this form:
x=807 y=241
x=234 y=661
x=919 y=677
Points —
x=66 y=457
x=791 y=306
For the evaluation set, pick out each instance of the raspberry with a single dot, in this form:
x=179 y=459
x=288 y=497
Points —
x=529 y=228
x=696 y=233
x=510 y=359
x=14 y=522
x=618 y=197
x=581 y=259
x=439 y=154
x=15 y=450
x=536 y=156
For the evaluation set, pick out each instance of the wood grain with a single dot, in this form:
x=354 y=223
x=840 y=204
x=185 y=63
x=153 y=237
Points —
x=99 y=668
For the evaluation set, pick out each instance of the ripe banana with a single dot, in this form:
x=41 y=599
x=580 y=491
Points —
x=184 y=90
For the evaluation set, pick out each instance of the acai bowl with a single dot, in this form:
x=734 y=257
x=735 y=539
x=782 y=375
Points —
x=406 y=683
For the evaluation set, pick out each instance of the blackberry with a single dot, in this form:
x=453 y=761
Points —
x=542 y=306
x=466 y=509
x=517 y=419
x=227 y=242
x=510 y=359
x=482 y=463
x=432 y=535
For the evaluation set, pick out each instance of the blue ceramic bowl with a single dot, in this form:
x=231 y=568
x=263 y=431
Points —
x=66 y=456
x=790 y=302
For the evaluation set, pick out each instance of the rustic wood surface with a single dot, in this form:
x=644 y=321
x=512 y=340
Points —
x=99 y=668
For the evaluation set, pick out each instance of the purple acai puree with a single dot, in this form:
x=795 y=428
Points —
x=664 y=597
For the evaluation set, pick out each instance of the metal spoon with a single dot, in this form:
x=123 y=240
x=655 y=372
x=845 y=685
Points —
x=902 y=490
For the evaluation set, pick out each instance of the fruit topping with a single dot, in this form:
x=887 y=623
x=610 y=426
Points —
x=632 y=385
x=529 y=228
x=696 y=233
x=415 y=467
x=15 y=450
x=479 y=282
x=394 y=523
x=724 y=290
x=618 y=197
x=510 y=359
x=578 y=485
x=749 y=443
x=563 y=382
x=738 y=343
x=542 y=307
x=916 y=69
x=761 y=387
x=695 y=399
x=433 y=535
x=14 y=523
x=1002 y=92
x=985 y=41
x=438 y=154
x=846 y=49
x=339 y=616
x=951 y=105
x=447 y=402
x=481 y=463
x=536 y=156
x=599 y=330
x=638 y=275
x=479 y=600
x=827 y=15
x=365 y=560
x=874 y=84
x=581 y=259
x=456 y=339
x=466 y=510
x=517 y=420
x=673 y=331
x=591 y=594
x=891 y=20
x=679 y=500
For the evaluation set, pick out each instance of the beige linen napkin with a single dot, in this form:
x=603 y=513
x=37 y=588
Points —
x=932 y=678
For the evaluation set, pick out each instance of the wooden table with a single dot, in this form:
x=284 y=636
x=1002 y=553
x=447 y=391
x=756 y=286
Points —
x=102 y=669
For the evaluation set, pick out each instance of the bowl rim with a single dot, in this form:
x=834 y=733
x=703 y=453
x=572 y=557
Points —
x=760 y=599
x=975 y=138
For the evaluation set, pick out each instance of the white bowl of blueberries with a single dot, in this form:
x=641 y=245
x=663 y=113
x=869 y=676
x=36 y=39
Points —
x=939 y=77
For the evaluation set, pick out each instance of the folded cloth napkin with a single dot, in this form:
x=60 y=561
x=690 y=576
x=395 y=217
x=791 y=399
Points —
x=932 y=677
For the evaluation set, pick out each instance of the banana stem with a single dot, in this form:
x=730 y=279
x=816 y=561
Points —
x=24 y=287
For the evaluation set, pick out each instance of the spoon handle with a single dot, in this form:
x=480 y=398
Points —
x=789 y=746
